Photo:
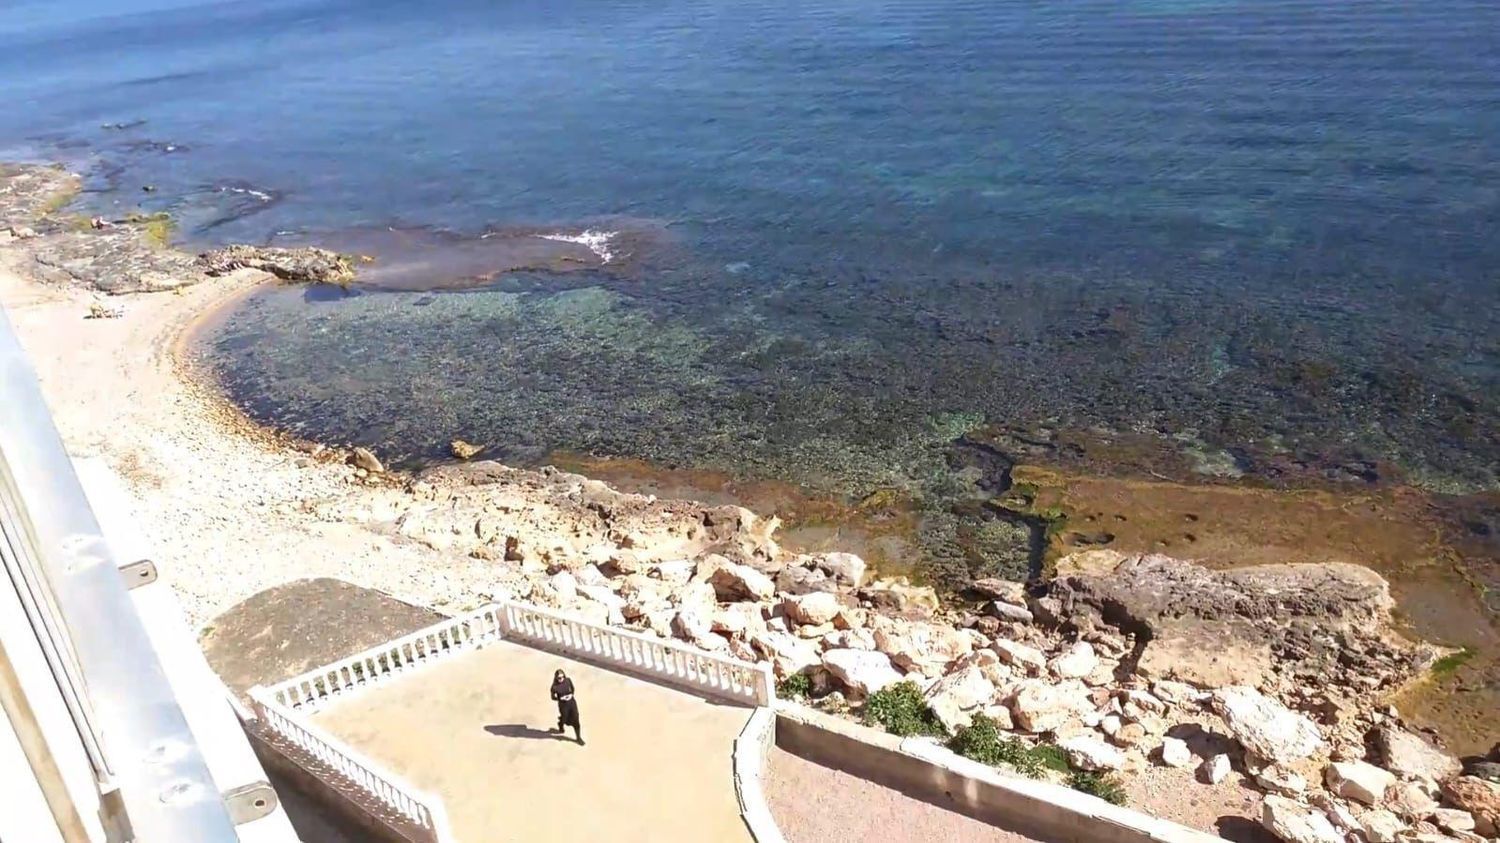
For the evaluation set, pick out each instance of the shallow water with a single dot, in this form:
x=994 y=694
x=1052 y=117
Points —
x=1261 y=230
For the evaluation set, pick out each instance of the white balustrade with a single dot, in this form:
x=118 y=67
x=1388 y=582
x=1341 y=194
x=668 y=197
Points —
x=284 y=709
x=352 y=769
x=446 y=638
x=714 y=674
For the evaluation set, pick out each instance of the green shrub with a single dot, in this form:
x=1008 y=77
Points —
x=981 y=740
x=899 y=707
x=1051 y=757
x=1449 y=664
x=1096 y=784
x=795 y=687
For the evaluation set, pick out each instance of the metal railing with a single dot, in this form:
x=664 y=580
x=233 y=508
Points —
x=67 y=576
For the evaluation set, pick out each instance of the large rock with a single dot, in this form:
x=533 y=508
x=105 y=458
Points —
x=1040 y=706
x=1266 y=727
x=846 y=568
x=741 y=582
x=1020 y=655
x=1008 y=612
x=1410 y=800
x=1075 y=662
x=1247 y=625
x=565 y=584
x=1480 y=798
x=795 y=579
x=1294 y=822
x=901 y=597
x=819 y=607
x=956 y=697
x=304 y=263
x=365 y=458
x=862 y=672
x=1359 y=781
x=788 y=653
x=1175 y=753
x=1006 y=591
x=924 y=647
x=1381 y=826
x=1087 y=752
x=1215 y=769
x=1411 y=756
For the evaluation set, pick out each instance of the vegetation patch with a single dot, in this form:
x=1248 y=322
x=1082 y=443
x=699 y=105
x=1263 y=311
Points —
x=1105 y=787
x=899 y=708
x=158 y=227
x=795 y=687
x=1449 y=664
x=982 y=741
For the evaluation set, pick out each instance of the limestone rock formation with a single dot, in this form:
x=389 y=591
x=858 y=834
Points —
x=1480 y=798
x=303 y=263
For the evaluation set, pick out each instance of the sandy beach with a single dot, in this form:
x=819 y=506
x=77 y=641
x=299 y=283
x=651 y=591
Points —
x=226 y=507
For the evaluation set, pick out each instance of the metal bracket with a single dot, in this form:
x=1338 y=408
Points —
x=250 y=802
x=137 y=574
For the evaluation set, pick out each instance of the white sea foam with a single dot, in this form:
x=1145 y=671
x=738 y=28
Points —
x=248 y=191
x=596 y=241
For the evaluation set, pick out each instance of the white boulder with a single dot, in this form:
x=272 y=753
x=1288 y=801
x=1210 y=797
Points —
x=956 y=697
x=1075 y=662
x=1087 y=752
x=733 y=581
x=1266 y=727
x=863 y=672
x=1020 y=655
x=817 y=608
x=1041 y=706
x=1294 y=822
x=1364 y=783
x=1175 y=753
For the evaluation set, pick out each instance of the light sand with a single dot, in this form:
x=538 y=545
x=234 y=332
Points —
x=655 y=765
x=226 y=508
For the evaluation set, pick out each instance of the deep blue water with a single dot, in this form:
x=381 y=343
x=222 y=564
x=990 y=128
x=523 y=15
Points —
x=1265 y=230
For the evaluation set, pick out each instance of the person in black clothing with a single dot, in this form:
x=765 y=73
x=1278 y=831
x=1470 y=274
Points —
x=567 y=707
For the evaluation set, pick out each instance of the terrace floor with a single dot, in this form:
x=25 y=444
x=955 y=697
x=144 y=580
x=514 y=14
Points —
x=656 y=765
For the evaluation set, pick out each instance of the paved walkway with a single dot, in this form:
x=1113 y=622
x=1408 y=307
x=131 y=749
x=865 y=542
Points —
x=657 y=764
x=817 y=804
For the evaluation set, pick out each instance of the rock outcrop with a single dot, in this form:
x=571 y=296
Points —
x=302 y=263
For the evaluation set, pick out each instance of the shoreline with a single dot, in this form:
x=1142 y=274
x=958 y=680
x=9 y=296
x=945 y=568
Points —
x=236 y=508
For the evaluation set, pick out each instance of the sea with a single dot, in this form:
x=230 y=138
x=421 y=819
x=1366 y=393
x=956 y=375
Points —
x=839 y=242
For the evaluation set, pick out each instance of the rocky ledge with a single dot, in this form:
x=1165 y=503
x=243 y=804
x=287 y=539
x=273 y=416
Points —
x=130 y=254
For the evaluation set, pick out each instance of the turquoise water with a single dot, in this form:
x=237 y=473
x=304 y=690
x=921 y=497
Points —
x=853 y=231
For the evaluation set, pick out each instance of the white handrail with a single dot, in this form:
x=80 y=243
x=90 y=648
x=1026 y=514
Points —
x=718 y=675
x=447 y=637
x=403 y=800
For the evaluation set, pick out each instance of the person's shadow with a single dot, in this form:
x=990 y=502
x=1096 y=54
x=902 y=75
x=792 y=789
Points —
x=520 y=730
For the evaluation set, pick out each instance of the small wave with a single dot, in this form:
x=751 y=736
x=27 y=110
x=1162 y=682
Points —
x=596 y=241
x=248 y=191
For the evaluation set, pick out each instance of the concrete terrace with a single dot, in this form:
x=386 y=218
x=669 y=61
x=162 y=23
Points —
x=473 y=728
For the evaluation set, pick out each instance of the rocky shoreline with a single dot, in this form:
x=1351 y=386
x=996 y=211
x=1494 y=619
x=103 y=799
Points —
x=1271 y=678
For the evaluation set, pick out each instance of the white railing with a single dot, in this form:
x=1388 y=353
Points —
x=450 y=637
x=400 y=800
x=702 y=671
